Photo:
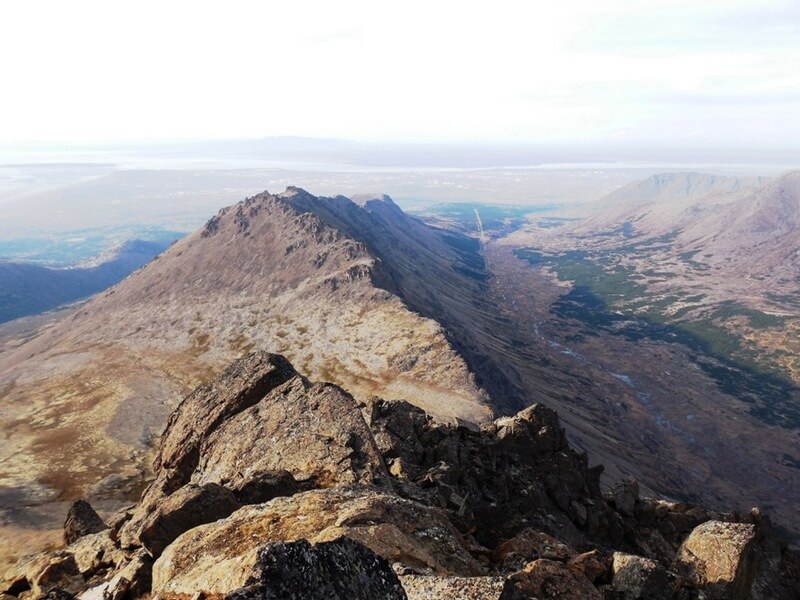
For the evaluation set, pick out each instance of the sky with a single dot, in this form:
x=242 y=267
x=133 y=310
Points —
x=674 y=72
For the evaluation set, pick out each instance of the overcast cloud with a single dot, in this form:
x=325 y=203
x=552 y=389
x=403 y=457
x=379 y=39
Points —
x=699 y=72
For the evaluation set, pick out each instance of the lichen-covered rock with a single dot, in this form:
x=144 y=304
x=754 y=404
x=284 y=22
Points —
x=433 y=587
x=43 y=572
x=190 y=506
x=719 y=558
x=244 y=383
x=278 y=434
x=594 y=565
x=529 y=545
x=636 y=577
x=81 y=520
x=217 y=558
x=95 y=552
x=544 y=578
x=315 y=432
x=337 y=570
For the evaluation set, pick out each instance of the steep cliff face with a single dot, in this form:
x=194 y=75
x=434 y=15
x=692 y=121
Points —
x=270 y=486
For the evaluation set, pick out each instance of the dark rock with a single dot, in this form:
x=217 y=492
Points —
x=187 y=508
x=341 y=569
x=81 y=520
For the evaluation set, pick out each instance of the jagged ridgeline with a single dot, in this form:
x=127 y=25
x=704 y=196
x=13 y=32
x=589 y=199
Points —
x=270 y=486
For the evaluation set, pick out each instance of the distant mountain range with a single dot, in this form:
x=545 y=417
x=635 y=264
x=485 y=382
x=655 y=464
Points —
x=29 y=288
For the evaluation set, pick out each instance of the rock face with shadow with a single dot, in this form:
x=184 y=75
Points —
x=269 y=486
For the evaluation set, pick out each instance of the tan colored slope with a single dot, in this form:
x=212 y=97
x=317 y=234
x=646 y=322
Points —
x=83 y=401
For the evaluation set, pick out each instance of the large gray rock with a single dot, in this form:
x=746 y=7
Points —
x=277 y=435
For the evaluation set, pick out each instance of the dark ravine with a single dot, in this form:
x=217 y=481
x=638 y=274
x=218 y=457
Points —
x=270 y=486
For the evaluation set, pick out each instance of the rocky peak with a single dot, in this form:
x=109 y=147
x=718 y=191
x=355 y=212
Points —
x=268 y=486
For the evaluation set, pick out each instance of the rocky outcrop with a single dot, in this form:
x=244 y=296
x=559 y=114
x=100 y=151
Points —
x=261 y=431
x=269 y=486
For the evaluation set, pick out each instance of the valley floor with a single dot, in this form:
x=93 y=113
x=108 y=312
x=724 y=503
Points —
x=644 y=408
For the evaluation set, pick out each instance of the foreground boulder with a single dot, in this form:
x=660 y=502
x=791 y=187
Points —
x=278 y=435
x=338 y=570
x=220 y=557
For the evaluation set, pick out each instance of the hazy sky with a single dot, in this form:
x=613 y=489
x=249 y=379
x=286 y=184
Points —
x=695 y=72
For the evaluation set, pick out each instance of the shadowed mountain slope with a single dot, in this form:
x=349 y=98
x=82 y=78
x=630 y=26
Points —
x=27 y=288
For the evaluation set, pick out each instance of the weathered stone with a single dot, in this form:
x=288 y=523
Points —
x=337 y=570
x=433 y=587
x=57 y=594
x=116 y=521
x=624 y=495
x=190 y=506
x=244 y=383
x=718 y=558
x=39 y=574
x=266 y=485
x=315 y=432
x=132 y=580
x=637 y=577
x=594 y=565
x=531 y=544
x=544 y=578
x=217 y=558
x=94 y=552
x=81 y=520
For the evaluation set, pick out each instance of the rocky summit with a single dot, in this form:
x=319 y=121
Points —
x=267 y=485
